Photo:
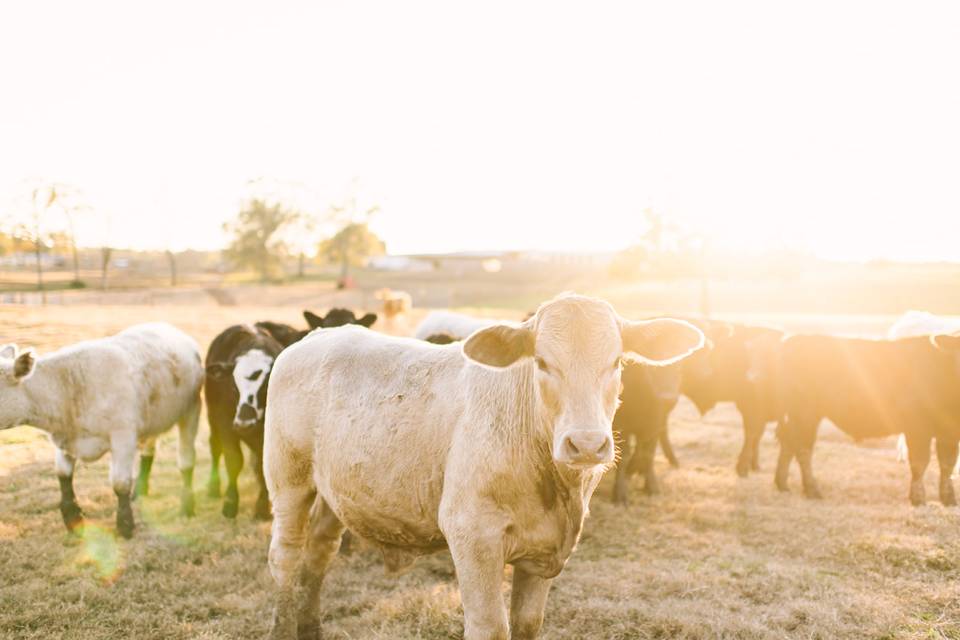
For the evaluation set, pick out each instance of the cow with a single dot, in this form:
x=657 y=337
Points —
x=112 y=394
x=238 y=367
x=649 y=395
x=741 y=367
x=871 y=389
x=394 y=305
x=457 y=325
x=913 y=324
x=491 y=448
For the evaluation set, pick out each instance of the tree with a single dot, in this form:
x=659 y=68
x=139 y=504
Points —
x=258 y=237
x=351 y=246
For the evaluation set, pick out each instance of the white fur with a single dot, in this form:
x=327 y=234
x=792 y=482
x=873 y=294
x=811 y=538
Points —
x=256 y=363
x=457 y=325
x=108 y=394
x=416 y=446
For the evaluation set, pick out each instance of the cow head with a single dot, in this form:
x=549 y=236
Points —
x=337 y=318
x=250 y=371
x=15 y=367
x=577 y=345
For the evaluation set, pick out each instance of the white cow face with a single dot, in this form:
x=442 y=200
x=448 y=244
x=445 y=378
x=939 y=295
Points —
x=250 y=374
x=15 y=367
x=577 y=344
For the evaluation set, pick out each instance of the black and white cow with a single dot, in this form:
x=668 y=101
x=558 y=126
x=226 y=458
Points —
x=238 y=367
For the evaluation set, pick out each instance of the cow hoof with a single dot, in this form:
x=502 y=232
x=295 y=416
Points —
x=949 y=501
x=72 y=517
x=230 y=509
x=651 y=489
x=309 y=631
x=742 y=470
x=188 y=506
x=125 y=526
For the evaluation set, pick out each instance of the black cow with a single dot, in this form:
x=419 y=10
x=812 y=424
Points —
x=238 y=369
x=740 y=368
x=869 y=389
x=647 y=397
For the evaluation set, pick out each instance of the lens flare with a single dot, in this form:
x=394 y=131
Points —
x=100 y=549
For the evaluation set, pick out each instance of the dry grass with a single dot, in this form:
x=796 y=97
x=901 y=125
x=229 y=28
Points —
x=715 y=556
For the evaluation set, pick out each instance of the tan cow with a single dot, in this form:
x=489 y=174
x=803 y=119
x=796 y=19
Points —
x=491 y=448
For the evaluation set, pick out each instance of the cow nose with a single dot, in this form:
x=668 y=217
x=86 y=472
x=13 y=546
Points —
x=246 y=416
x=586 y=446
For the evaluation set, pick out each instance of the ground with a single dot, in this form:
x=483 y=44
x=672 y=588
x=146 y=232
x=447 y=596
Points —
x=714 y=556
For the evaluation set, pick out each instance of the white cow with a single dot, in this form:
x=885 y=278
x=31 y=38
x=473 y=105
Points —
x=911 y=325
x=458 y=326
x=108 y=395
x=491 y=448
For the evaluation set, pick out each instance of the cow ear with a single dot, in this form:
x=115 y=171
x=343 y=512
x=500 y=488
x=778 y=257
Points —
x=313 y=320
x=24 y=365
x=220 y=369
x=662 y=341
x=946 y=342
x=8 y=351
x=368 y=320
x=499 y=345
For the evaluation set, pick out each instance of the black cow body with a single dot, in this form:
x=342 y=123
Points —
x=869 y=389
x=648 y=396
x=740 y=368
x=233 y=422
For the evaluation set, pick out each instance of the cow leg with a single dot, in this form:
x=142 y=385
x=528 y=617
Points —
x=667 y=447
x=918 y=452
x=233 y=459
x=187 y=457
x=291 y=508
x=806 y=439
x=947 y=457
x=324 y=540
x=752 y=432
x=216 y=450
x=644 y=453
x=123 y=450
x=788 y=448
x=69 y=509
x=148 y=449
x=527 y=602
x=262 y=509
x=479 y=564
x=621 y=482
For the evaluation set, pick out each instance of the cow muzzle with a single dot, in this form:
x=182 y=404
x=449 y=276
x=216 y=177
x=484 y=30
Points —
x=247 y=416
x=584 y=448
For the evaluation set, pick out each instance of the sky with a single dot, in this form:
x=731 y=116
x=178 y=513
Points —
x=829 y=127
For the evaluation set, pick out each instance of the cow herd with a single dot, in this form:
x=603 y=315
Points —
x=484 y=437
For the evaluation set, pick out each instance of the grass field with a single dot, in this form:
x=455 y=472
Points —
x=714 y=556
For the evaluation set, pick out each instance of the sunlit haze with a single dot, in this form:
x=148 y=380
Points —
x=825 y=127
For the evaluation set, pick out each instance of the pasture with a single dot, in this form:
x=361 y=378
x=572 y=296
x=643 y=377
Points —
x=714 y=556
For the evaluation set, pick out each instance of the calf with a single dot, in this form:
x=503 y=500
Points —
x=869 y=389
x=111 y=394
x=741 y=367
x=648 y=396
x=491 y=448
x=238 y=367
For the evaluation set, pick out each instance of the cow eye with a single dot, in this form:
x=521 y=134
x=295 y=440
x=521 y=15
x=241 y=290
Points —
x=254 y=376
x=542 y=364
